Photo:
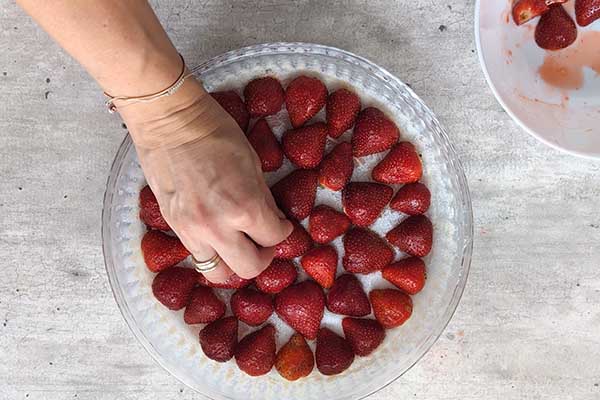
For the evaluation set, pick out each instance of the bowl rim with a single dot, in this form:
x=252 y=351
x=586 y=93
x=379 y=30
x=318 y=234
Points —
x=509 y=111
x=467 y=246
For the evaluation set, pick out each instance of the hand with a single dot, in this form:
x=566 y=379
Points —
x=208 y=181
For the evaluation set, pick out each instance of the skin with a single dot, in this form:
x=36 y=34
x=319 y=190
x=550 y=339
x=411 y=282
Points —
x=204 y=173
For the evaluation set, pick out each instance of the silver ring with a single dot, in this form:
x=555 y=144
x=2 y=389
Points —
x=208 y=265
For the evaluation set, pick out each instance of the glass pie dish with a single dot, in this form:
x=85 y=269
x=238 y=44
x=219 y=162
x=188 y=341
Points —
x=174 y=345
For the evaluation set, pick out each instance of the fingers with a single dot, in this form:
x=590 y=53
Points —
x=203 y=252
x=242 y=255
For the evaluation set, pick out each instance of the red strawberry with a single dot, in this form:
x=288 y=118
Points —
x=295 y=193
x=233 y=104
x=587 y=11
x=334 y=354
x=526 y=10
x=304 y=98
x=320 y=264
x=251 y=306
x=412 y=199
x=279 y=275
x=301 y=306
x=337 y=166
x=325 y=224
x=305 y=146
x=556 y=29
x=342 y=109
x=373 y=133
x=401 y=165
x=295 y=245
x=255 y=353
x=407 y=274
x=295 y=359
x=365 y=251
x=218 y=339
x=234 y=282
x=363 y=202
x=150 y=211
x=413 y=236
x=204 y=307
x=364 y=335
x=266 y=146
x=264 y=96
x=347 y=297
x=173 y=287
x=391 y=307
x=162 y=251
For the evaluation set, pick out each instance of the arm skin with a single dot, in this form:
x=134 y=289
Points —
x=205 y=175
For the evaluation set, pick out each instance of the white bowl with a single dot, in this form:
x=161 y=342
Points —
x=564 y=118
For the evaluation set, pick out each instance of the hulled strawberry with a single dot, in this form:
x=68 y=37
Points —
x=150 y=210
x=251 y=306
x=337 y=166
x=587 y=11
x=301 y=306
x=325 y=224
x=401 y=165
x=279 y=275
x=266 y=146
x=526 y=10
x=305 y=146
x=295 y=193
x=234 y=282
x=295 y=359
x=298 y=243
x=334 y=354
x=412 y=199
x=320 y=264
x=233 y=104
x=413 y=236
x=219 y=338
x=255 y=353
x=407 y=274
x=204 y=307
x=363 y=202
x=162 y=251
x=365 y=251
x=373 y=133
x=391 y=307
x=347 y=297
x=342 y=109
x=172 y=287
x=264 y=96
x=304 y=97
x=556 y=29
x=364 y=335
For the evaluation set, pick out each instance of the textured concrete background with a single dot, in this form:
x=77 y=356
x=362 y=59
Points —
x=528 y=326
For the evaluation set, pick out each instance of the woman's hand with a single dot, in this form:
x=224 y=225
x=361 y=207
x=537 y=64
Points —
x=208 y=180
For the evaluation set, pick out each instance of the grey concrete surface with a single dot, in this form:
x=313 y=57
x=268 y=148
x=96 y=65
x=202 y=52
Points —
x=528 y=326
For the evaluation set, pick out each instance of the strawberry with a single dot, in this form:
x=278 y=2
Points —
x=407 y=274
x=233 y=104
x=365 y=251
x=295 y=245
x=587 y=11
x=556 y=29
x=251 y=306
x=320 y=264
x=336 y=169
x=301 y=306
x=342 y=109
x=373 y=133
x=295 y=359
x=295 y=193
x=218 y=339
x=391 y=307
x=305 y=146
x=304 y=98
x=412 y=199
x=264 y=96
x=234 y=282
x=526 y=10
x=162 y=251
x=363 y=202
x=364 y=335
x=401 y=165
x=266 y=146
x=347 y=297
x=333 y=354
x=325 y=224
x=204 y=307
x=413 y=236
x=279 y=275
x=150 y=211
x=255 y=353
x=173 y=287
